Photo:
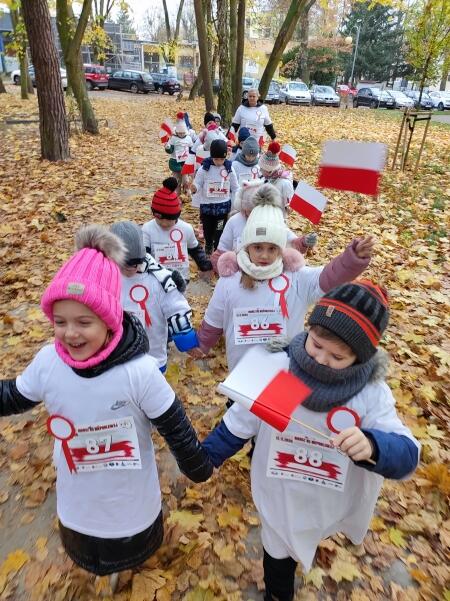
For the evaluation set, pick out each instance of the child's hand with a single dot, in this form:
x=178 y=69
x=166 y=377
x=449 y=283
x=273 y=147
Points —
x=196 y=353
x=354 y=443
x=365 y=246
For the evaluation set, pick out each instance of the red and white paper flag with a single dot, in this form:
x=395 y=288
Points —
x=308 y=201
x=166 y=131
x=261 y=383
x=231 y=136
x=352 y=166
x=288 y=154
x=201 y=156
x=189 y=165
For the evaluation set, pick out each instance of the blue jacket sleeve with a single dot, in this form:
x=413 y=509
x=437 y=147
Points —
x=396 y=455
x=222 y=444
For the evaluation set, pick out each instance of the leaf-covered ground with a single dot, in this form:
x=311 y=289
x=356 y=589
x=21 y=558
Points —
x=212 y=548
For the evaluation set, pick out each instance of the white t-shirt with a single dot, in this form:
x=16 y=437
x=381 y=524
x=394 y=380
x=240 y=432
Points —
x=113 y=502
x=230 y=298
x=180 y=148
x=214 y=186
x=244 y=173
x=144 y=296
x=232 y=233
x=170 y=247
x=295 y=513
x=254 y=118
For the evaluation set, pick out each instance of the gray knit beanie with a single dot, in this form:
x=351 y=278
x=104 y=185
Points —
x=131 y=234
x=250 y=147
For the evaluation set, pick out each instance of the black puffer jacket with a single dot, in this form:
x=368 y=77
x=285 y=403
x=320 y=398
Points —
x=173 y=424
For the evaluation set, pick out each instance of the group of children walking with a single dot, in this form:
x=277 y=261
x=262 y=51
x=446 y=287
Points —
x=119 y=299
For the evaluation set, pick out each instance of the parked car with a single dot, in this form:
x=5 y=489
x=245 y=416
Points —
x=295 y=92
x=344 y=89
x=273 y=93
x=15 y=77
x=171 y=85
x=248 y=83
x=96 y=77
x=441 y=100
x=374 y=98
x=425 y=102
x=324 y=95
x=401 y=101
x=134 y=81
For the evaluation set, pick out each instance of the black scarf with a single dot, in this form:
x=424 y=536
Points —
x=134 y=342
x=330 y=387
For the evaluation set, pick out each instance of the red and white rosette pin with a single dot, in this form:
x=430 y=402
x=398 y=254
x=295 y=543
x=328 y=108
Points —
x=139 y=295
x=255 y=172
x=341 y=418
x=280 y=285
x=63 y=429
x=176 y=236
x=224 y=174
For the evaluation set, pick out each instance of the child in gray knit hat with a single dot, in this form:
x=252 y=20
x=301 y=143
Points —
x=245 y=164
x=310 y=484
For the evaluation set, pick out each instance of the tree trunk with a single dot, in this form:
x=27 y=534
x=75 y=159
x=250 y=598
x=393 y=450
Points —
x=53 y=126
x=196 y=85
x=166 y=21
x=2 y=86
x=304 y=35
x=283 y=37
x=178 y=20
x=445 y=72
x=204 y=57
x=215 y=56
x=424 y=77
x=240 y=43
x=233 y=34
x=225 y=93
x=70 y=35
x=22 y=45
x=30 y=87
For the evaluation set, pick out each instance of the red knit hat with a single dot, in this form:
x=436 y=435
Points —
x=165 y=202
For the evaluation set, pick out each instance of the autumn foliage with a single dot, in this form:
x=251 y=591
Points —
x=212 y=548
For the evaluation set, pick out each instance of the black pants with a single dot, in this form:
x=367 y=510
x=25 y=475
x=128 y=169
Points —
x=108 y=555
x=212 y=230
x=279 y=578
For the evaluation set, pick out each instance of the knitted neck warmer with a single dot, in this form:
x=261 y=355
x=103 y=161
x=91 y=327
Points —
x=330 y=387
x=240 y=159
x=256 y=272
x=133 y=343
x=100 y=356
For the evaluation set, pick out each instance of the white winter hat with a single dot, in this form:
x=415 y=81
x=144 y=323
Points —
x=266 y=221
x=243 y=201
x=180 y=126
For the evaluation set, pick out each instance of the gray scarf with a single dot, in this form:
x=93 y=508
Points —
x=330 y=387
x=240 y=159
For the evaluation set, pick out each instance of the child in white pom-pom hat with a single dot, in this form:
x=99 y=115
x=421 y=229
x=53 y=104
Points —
x=247 y=197
x=273 y=172
x=178 y=147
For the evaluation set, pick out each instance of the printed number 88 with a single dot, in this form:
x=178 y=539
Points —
x=313 y=457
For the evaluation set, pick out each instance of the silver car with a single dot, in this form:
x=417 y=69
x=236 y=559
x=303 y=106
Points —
x=441 y=100
x=324 y=95
x=401 y=100
x=295 y=92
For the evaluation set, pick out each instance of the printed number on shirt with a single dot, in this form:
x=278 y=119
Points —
x=108 y=445
x=167 y=254
x=218 y=189
x=306 y=460
x=257 y=326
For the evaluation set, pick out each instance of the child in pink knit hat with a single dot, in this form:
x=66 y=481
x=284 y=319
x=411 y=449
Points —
x=102 y=390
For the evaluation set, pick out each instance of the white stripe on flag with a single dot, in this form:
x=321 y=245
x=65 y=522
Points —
x=311 y=195
x=355 y=155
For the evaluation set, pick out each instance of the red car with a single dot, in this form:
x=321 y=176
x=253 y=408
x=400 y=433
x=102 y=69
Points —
x=96 y=77
x=344 y=90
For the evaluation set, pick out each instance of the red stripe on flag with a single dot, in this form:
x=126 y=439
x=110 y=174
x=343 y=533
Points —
x=166 y=127
x=277 y=402
x=306 y=209
x=364 y=181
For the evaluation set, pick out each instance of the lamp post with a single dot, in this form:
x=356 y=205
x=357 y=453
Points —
x=358 y=30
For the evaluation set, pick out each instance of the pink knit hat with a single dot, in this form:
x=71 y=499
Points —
x=91 y=277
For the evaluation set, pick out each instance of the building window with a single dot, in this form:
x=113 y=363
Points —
x=185 y=61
